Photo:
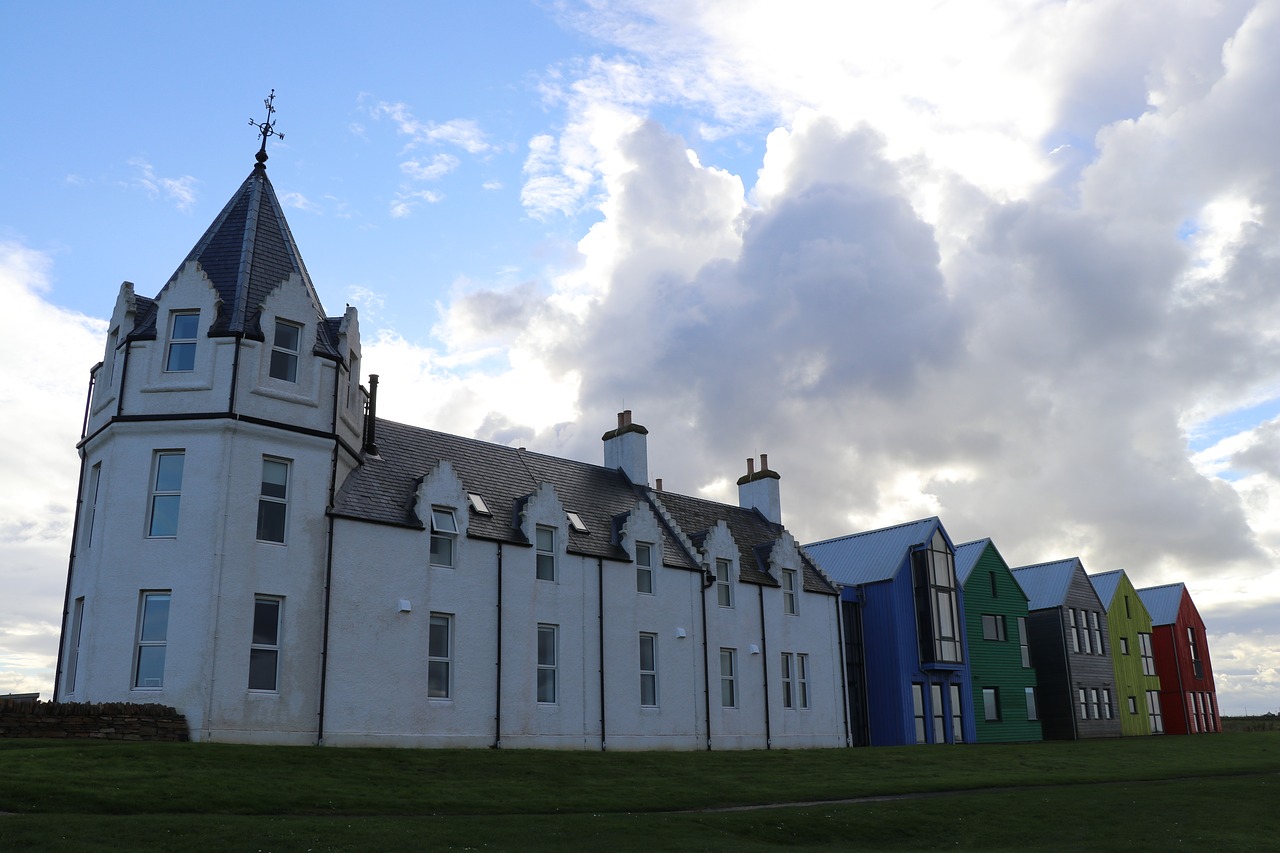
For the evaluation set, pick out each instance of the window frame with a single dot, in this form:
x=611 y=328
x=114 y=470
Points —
x=1155 y=716
x=648 y=674
x=997 y=632
x=268 y=502
x=548 y=672
x=73 y=646
x=724 y=582
x=644 y=568
x=937 y=594
x=788 y=686
x=91 y=492
x=1033 y=706
x=1095 y=628
x=184 y=345
x=442 y=533
x=991 y=704
x=282 y=355
x=147 y=639
x=918 y=712
x=266 y=647
x=802 y=681
x=790 y=599
x=545 y=557
x=1024 y=644
x=440 y=660
x=157 y=493
x=1124 y=645
x=1145 y=650
x=728 y=677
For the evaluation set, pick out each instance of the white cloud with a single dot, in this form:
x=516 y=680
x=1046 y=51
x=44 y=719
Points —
x=181 y=191
x=460 y=133
x=298 y=201
x=439 y=166
x=406 y=201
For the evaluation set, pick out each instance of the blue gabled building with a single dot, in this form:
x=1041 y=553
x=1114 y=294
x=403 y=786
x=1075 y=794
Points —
x=904 y=620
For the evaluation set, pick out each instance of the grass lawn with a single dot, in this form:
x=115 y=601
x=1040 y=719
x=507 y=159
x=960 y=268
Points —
x=1204 y=793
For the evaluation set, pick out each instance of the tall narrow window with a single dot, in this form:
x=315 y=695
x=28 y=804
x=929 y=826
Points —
x=264 y=651
x=728 y=678
x=1154 y=717
x=284 y=351
x=991 y=703
x=1083 y=616
x=788 y=680
x=644 y=568
x=1075 y=634
x=273 y=500
x=1033 y=713
x=183 y=326
x=957 y=715
x=1133 y=706
x=548 y=654
x=1124 y=645
x=73 y=646
x=153 y=636
x=444 y=533
x=1144 y=649
x=1097 y=633
x=91 y=496
x=1107 y=712
x=724 y=584
x=1197 y=668
x=1023 y=645
x=937 y=603
x=166 y=494
x=353 y=381
x=917 y=708
x=1084 y=703
x=1093 y=703
x=440 y=656
x=995 y=591
x=939 y=719
x=546 y=553
x=649 y=670
x=802 y=681
x=789 y=592
x=1128 y=614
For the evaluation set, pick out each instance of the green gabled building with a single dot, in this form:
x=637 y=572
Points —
x=1137 y=685
x=1004 y=683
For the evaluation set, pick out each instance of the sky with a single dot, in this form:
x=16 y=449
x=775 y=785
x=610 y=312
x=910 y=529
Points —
x=1012 y=263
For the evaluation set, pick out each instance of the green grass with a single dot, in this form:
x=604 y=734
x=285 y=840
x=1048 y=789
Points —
x=1217 y=792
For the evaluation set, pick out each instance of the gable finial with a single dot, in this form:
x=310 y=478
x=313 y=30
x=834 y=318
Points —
x=266 y=128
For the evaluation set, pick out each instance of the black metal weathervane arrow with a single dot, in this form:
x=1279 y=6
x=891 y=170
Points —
x=266 y=128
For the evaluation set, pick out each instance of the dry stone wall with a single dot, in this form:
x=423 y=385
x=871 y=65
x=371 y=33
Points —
x=111 y=721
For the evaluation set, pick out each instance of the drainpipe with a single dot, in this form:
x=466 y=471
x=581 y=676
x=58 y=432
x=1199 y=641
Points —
x=600 y=608
x=708 y=580
x=328 y=563
x=124 y=376
x=497 y=715
x=235 y=374
x=71 y=562
x=88 y=399
x=764 y=655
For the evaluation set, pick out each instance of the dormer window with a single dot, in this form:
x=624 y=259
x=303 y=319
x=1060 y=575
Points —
x=183 y=326
x=284 y=351
x=724 y=583
x=444 y=532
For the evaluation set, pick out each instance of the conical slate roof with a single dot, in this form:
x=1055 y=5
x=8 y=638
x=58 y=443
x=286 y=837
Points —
x=247 y=252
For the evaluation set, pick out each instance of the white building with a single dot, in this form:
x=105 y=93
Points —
x=403 y=586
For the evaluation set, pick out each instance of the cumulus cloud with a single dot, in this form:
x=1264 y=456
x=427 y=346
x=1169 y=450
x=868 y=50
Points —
x=461 y=133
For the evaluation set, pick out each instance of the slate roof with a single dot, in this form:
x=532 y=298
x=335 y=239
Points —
x=383 y=490
x=875 y=555
x=1163 y=602
x=1105 y=585
x=247 y=252
x=1046 y=584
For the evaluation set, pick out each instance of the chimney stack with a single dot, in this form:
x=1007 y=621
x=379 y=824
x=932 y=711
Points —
x=759 y=490
x=626 y=449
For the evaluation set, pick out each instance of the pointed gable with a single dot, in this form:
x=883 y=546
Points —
x=1046 y=584
x=967 y=556
x=1106 y=584
x=1163 y=602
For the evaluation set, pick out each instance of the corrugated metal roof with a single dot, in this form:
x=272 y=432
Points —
x=967 y=556
x=1105 y=584
x=1046 y=584
x=1163 y=602
x=875 y=555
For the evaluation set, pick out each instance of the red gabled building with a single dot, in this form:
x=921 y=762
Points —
x=1188 y=700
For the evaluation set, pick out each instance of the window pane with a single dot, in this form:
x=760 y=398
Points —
x=284 y=365
x=646 y=653
x=644 y=580
x=182 y=357
x=441 y=551
x=438 y=637
x=287 y=336
x=169 y=472
x=164 y=515
x=644 y=556
x=546 y=570
x=266 y=622
x=546 y=647
x=990 y=707
x=155 y=619
x=262 y=669
x=546 y=685
x=648 y=689
x=275 y=478
x=442 y=521
x=150 y=666
x=270 y=521
x=438 y=679
x=546 y=539
x=185 y=325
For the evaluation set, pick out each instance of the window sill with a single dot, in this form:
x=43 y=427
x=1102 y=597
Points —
x=285 y=395
x=179 y=382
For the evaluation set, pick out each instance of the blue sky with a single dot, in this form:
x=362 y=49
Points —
x=1009 y=263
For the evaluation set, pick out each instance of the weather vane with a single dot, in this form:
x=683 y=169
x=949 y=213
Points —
x=266 y=128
